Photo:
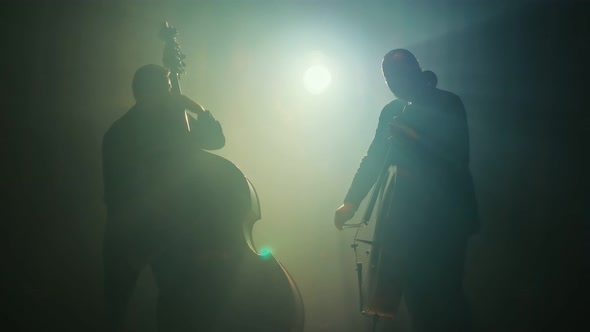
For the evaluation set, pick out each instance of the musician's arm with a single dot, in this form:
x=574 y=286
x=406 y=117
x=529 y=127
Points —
x=203 y=126
x=459 y=132
x=372 y=163
x=207 y=131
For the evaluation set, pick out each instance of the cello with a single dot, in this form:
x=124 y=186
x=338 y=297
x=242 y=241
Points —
x=379 y=286
x=259 y=294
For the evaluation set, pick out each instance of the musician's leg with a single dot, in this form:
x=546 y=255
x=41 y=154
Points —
x=120 y=276
x=181 y=304
x=434 y=284
x=190 y=290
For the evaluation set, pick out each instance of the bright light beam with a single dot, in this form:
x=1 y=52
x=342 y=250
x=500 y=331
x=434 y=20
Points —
x=316 y=79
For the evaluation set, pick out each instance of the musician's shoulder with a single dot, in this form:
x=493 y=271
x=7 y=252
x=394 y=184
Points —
x=120 y=124
x=396 y=103
x=392 y=108
x=447 y=96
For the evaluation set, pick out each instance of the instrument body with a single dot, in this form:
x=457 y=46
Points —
x=381 y=290
x=253 y=291
x=380 y=285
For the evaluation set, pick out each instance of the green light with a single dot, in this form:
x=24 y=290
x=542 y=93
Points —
x=265 y=252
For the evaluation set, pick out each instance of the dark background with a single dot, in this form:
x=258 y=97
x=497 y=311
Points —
x=521 y=73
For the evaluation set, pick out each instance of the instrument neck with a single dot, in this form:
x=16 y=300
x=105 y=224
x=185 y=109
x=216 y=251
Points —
x=175 y=81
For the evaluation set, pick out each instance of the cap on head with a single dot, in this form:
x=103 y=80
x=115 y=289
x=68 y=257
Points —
x=148 y=80
x=399 y=61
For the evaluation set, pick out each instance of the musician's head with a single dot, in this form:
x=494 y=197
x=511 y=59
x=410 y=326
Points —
x=151 y=83
x=403 y=74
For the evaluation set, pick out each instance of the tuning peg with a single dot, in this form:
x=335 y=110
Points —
x=168 y=32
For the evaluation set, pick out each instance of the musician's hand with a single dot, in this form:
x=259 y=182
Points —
x=188 y=104
x=401 y=131
x=343 y=214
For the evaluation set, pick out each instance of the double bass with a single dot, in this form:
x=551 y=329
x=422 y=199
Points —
x=257 y=293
